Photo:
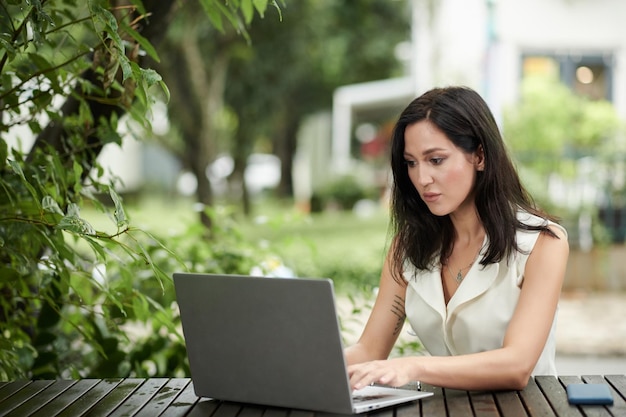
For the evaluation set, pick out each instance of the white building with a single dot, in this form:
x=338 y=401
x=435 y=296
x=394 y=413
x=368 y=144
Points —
x=490 y=45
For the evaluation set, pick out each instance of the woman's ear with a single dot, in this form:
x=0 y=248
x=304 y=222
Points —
x=479 y=158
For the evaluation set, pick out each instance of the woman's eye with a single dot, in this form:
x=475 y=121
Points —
x=436 y=161
x=410 y=163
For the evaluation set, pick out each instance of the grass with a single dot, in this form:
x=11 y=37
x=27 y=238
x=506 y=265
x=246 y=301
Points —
x=340 y=245
x=323 y=243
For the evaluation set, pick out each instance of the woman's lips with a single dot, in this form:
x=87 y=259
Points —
x=430 y=197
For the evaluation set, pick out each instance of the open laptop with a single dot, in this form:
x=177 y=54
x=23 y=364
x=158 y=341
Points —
x=271 y=341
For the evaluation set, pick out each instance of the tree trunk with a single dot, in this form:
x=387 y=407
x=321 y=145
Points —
x=286 y=145
x=196 y=100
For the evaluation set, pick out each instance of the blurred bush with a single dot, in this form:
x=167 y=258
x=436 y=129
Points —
x=570 y=152
x=342 y=193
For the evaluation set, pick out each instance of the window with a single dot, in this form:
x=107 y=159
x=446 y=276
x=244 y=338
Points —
x=588 y=74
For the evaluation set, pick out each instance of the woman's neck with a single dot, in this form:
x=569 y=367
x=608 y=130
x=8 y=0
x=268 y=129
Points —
x=468 y=228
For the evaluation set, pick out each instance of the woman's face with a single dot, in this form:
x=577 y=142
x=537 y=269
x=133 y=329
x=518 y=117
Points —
x=442 y=174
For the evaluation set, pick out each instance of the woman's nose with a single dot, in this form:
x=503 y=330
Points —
x=424 y=176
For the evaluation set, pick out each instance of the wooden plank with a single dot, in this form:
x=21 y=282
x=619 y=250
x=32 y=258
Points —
x=619 y=403
x=257 y=411
x=269 y=412
x=139 y=397
x=183 y=403
x=510 y=404
x=618 y=382
x=293 y=413
x=484 y=404
x=43 y=397
x=536 y=404
x=554 y=391
x=411 y=409
x=61 y=402
x=115 y=397
x=228 y=409
x=24 y=394
x=458 y=403
x=435 y=405
x=204 y=408
x=11 y=388
x=164 y=397
x=89 y=398
x=382 y=412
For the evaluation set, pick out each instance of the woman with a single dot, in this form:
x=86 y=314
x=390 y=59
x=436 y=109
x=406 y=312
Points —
x=475 y=267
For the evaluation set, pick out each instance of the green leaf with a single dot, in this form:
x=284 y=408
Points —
x=8 y=275
x=232 y=17
x=111 y=28
x=260 y=6
x=42 y=98
x=248 y=10
x=50 y=205
x=7 y=46
x=40 y=62
x=108 y=19
x=140 y=92
x=140 y=7
x=166 y=91
x=145 y=44
x=4 y=153
x=17 y=168
x=77 y=172
x=75 y=224
x=99 y=250
x=141 y=308
x=213 y=14
x=126 y=68
x=151 y=76
x=120 y=213
x=73 y=210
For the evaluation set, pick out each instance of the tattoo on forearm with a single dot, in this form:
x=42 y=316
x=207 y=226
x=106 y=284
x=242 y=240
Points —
x=398 y=309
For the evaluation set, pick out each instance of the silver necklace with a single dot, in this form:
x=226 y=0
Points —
x=459 y=275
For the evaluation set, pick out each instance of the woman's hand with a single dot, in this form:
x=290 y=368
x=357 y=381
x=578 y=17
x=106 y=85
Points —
x=394 y=372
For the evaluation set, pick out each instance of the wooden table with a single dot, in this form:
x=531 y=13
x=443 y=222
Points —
x=544 y=396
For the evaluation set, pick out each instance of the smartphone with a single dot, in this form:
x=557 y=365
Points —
x=593 y=394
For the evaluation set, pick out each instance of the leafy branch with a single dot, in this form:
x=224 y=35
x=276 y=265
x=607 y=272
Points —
x=61 y=280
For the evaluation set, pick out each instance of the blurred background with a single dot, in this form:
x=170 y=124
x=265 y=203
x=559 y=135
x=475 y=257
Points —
x=303 y=114
x=269 y=154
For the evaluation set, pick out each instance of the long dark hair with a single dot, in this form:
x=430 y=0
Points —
x=425 y=239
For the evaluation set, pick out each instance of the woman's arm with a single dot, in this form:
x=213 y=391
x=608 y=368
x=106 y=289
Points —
x=508 y=367
x=384 y=324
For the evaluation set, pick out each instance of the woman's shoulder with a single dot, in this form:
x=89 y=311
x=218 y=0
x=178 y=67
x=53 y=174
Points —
x=527 y=238
x=534 y=220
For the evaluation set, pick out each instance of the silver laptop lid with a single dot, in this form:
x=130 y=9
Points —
x=270 y=341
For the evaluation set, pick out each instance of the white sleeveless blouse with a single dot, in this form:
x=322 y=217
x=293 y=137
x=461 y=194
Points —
x=478 y=314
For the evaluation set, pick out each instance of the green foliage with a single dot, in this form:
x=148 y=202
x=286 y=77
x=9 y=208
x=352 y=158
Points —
x=555 y=133
x=234 y=10
x=552 y=120
x=343 y=193
x=338 y=245
x=76 y=301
